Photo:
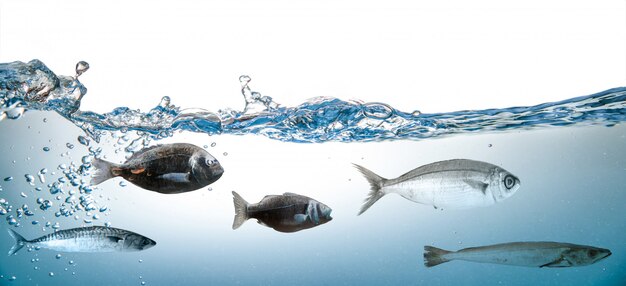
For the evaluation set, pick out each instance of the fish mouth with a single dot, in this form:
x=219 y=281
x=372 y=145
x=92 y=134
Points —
x=607 y=253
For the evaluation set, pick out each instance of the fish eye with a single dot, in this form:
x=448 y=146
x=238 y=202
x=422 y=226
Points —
x=210 y=162
x=509 y=181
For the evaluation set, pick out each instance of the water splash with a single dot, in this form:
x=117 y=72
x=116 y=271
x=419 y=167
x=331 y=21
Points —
x=32 y=86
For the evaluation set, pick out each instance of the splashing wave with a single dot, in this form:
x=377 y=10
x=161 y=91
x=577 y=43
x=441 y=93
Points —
x=32 y=86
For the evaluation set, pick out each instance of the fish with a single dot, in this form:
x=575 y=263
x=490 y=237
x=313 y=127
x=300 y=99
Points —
x=284 y=213
x=166 y=169
x=529 y=254
x=455 y=184
x=86 y=239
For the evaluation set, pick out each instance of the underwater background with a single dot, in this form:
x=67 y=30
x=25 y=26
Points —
x=433 y=82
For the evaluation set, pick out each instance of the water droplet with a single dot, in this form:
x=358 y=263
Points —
x=143 y=283
x=122 y=184
x=71 y=262
x=140 y=260
x=35 y=222
x=81 y=67
x=58 y=256
x=225 y=153
x=205 y=146
x=213 y=144
x=12 y=278
x=165 y=102
x=23 y=195
x=36 y=268
x=46 y=149
x=8 y=179
x=69 y=145
x=51 y=274
x=210 y=189
x=416 y=113
x=244 y=79
x=83 y=140
x=45 y=120
x=490 y=145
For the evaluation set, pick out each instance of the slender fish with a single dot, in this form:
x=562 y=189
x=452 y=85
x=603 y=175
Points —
x=86 y=239
x=167 y=169
x=458 y=183
x=285 y=213
x=530 y=254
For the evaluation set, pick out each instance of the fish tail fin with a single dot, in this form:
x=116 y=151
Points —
x=102 y=171
x=20 y=241
x=376 y=183
x=434 y=256
x=241 y=210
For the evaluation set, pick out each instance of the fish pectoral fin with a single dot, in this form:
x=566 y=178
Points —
x=477 y=185
x=176 y=177
x=300 y=218
x=137 y=171
x=114 y=239
x=561 y=262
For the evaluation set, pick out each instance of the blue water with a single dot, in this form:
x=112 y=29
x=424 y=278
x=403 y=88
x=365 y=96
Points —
x=569 y=156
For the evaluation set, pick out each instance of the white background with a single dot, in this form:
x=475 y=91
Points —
x=428 y=55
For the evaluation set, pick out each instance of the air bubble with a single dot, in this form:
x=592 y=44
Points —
x=122 y=184
x=69 y=145
x=225 y=153
x=213 y=144
x=8 y=179
x=30 y=179
x=58 y=256
x=51 y=274
x=46 y=149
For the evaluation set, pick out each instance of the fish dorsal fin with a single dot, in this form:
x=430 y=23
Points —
x=560 y=262
x=477 y=185
x=300 y=218
x=290 y=194
x=144 y=150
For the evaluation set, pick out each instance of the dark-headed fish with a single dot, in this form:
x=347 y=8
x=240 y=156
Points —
x=285 y=213
x=457 y=184
x=167 y=169
x=86 y=239
x=530 y=254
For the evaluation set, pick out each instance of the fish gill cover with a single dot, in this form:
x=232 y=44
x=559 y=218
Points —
x=32 y=86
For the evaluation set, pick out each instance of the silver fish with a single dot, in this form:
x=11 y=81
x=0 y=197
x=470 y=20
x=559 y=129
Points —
x=86 y=239
x=457 y=183
x=530 y=254
x=167 y=169
x=285 y=213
